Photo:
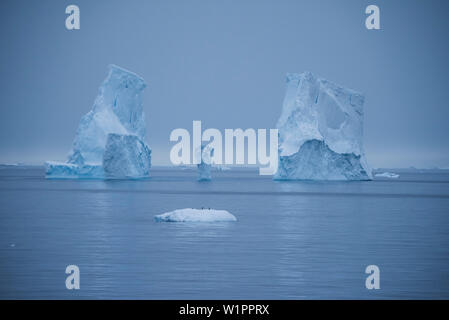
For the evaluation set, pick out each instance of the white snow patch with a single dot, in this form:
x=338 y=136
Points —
x=195 y=215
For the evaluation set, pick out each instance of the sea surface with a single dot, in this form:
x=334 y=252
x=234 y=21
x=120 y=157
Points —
x=292 y=240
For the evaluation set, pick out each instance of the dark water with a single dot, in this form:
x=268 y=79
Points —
x=293 y=240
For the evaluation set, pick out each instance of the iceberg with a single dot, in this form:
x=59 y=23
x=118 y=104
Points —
x=204 y=172
x=195 y=215
x=109 y=142
x=69 y=170
x=389 y=175
x=321 y=132
x=204 y=168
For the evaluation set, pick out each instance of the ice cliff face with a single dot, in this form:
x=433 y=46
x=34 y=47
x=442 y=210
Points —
x=126 y=156
x=117 y=110
x=321 y=132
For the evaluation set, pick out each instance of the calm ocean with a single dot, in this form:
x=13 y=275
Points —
x=292 y=240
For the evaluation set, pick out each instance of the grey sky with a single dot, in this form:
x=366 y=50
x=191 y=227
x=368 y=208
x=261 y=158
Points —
x=224 y=63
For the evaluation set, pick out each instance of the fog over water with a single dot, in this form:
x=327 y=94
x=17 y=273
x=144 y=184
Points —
x=224 y=63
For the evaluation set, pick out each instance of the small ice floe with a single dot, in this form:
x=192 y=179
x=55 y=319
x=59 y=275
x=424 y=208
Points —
x=390 y=175
x=195 y=215
x=220 y=168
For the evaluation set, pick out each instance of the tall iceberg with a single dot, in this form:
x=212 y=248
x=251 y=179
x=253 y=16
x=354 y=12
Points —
x=321 y=132
x=204 y=168
x=110 y=140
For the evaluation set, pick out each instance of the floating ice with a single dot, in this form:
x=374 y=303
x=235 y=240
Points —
x=204 y=167
x=117 y=110
x=390 y=175
x=204 y=172
x=196 y=215
x=218 y=167
x=321 y=132
x=69 y=170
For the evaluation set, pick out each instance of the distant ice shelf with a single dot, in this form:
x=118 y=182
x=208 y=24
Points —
x=390 y=175
x=196 y=215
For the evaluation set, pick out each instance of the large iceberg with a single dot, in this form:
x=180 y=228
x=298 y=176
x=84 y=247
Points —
x=110 y=140
x=321 y=132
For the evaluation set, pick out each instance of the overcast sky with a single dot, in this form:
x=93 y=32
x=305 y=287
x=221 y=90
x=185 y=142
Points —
x=224 y=63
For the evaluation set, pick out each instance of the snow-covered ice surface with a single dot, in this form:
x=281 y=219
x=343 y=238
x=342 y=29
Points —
x=196 y=215
x=116 y=110
x=321 y=132
x=390 y=175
